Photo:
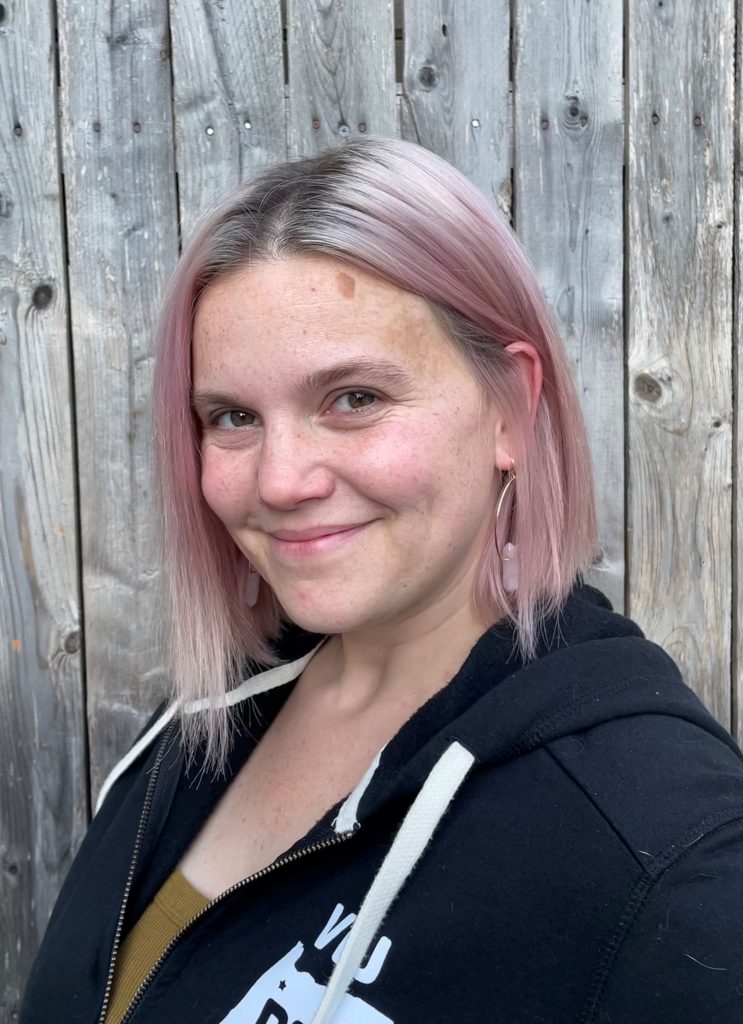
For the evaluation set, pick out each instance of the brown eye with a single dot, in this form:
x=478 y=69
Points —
x=234 y=419
x=356 y=400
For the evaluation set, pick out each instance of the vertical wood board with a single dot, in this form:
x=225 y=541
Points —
x=122 y=231
x=341 y=72
x=456 y=96
x=568 y=213
x=228 y=71
x=736 y=659
x=679 y=308
x=43 y=790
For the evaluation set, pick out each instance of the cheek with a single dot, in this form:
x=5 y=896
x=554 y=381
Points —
x=443 y=466
x=411 y=471
x=396 y=466
x=224 y=484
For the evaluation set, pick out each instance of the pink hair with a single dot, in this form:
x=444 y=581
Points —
x=398 y=211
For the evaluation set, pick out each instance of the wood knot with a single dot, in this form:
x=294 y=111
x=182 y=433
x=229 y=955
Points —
x=575 y=113
x=647 y=388
x=71 y=642
x=427 y=76
x=42 y=296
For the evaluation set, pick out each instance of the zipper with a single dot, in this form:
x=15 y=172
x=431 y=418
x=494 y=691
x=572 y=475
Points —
x=143 y=819
x=286 y=859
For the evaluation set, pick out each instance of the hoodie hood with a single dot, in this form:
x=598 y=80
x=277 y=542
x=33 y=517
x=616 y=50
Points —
x=592 y=666
x=495 y=710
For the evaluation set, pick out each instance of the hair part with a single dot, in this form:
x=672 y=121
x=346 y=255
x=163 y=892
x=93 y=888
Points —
x=396 y=210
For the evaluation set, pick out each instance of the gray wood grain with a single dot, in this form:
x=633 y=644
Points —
x=43 y=784
x=455 y=90
x=228 y=71
x=341 y=72
x=679 y=309
x=736 y=659
x=122 y=229
x=568 y=159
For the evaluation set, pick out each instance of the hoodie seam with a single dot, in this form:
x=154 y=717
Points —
x=645 y=886
x=596 y=806
x=541 y=733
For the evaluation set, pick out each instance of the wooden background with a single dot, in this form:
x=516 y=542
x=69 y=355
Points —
x=607 y=131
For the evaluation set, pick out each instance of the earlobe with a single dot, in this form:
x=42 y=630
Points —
x=502 y=448
x=504 y=461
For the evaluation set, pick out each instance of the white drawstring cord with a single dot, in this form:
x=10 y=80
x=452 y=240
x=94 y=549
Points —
x=251 y=687
x=412 y=837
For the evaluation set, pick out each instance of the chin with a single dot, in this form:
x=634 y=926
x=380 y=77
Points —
x=318 y=622
x=316 y=618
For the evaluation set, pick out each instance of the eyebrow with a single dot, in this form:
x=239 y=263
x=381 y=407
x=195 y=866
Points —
x=206 y=399
x=382 y=370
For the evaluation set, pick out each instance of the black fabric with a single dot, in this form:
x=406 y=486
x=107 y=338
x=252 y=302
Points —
x=588 y=870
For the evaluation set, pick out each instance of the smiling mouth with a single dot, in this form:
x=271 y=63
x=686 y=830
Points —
x=299 y=546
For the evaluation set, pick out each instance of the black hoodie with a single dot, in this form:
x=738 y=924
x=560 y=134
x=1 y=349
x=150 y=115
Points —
x=556 y=842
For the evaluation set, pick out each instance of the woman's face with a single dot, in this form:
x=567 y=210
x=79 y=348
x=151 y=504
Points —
x=347 y=448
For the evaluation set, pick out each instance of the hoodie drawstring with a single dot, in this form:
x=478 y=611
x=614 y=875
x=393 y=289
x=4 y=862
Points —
x=251 y=687
x=412 y=837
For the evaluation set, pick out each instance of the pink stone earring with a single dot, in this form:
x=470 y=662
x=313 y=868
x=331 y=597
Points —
x=509 y=558
x=252 y=587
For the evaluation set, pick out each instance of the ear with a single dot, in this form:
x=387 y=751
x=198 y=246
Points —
x=530 y=365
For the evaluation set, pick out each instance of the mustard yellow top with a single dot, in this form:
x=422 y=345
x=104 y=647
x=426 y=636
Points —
x=172 y=907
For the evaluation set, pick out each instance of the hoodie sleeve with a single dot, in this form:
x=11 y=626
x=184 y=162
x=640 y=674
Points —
x=681 y=955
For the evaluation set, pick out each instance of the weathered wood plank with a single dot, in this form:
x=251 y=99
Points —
x=737 y=617
x=230 y=119
x=568 y=212
x=122 y=231
x=679 y=309
x=456 y=99
x=341 y=72
x=43 y=786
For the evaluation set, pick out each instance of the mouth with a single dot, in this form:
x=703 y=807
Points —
x=318 y=540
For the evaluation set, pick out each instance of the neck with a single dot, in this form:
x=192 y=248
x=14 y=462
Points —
x=400 y=664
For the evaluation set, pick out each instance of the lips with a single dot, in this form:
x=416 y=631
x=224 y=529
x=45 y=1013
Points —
x=316 y=540
x=314 y=531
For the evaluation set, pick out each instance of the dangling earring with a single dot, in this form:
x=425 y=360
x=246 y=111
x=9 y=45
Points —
x=510 y=568
x=252 y=586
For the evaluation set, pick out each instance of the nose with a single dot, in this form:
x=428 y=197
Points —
x=293 y=466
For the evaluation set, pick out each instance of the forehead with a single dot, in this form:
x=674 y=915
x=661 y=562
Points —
x=313 y=303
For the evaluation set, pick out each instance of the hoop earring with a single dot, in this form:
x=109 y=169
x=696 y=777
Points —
x=252 y=588
x=510 y=568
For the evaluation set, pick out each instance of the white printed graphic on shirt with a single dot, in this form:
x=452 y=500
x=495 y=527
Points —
x=286 y=994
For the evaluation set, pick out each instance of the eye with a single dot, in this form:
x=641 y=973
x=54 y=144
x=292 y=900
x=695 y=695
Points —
x=233 y=419
x=355 y=401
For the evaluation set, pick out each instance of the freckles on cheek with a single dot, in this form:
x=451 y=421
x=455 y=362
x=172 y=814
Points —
x=404 y=474
x=397 y=461
x=221 y=486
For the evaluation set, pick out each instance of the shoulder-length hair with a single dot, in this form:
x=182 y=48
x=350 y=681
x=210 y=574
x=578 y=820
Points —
x=402 y=213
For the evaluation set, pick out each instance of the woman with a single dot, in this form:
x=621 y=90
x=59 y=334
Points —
x=447 y=782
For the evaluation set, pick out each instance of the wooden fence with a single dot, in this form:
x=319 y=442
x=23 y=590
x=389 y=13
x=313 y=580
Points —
x=607 y=131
